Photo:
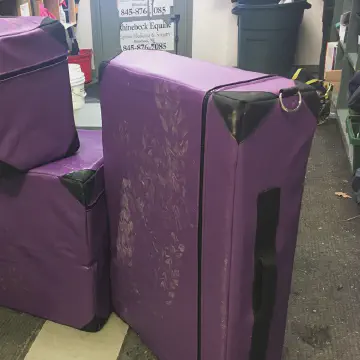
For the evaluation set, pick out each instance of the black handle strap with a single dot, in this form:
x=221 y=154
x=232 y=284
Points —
x=308 y=93
x=265 y=271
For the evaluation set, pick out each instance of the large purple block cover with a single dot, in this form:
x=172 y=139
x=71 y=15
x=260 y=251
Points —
x=204 y=171
x=54 y=239
x=36 y=120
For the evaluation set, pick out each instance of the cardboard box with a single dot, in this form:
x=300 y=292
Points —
x=334 y=77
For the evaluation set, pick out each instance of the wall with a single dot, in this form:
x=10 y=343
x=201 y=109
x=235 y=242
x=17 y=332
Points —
x=215 y=33
x=311 y=35
x=84 y=28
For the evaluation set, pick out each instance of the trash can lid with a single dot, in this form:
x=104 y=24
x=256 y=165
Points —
x=297 y=4
x=256 y=2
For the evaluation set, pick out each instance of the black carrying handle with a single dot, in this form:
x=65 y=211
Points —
x=264 y=299
x=294 y=91
x=307 y=94
x=265 y=271
x=289 y=91
x=264 y=290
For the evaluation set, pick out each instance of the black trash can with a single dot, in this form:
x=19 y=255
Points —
x=268 y=35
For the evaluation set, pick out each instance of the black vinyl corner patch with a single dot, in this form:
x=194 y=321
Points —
x=55 y=29
x=95 y=325
x=243 y=111
x=81 y=185
x=7 y=170
x=310 y=97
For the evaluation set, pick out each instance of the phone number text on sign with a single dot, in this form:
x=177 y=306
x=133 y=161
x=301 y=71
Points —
x=133 y=8
x=153 y=46
x=161 y=10
x=132 y=12
x=147 y=35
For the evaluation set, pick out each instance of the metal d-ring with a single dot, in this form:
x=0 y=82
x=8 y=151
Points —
x=287 y=109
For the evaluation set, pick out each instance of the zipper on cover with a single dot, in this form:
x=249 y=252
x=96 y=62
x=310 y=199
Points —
x=33 y=68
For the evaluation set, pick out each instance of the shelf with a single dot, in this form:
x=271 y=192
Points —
x=342 y=115
x=348 y=61
x=343 y=45
x=334 y=99
x=353 y=59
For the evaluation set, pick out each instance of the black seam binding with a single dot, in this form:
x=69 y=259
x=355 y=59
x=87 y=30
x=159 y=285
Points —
x=200 y=200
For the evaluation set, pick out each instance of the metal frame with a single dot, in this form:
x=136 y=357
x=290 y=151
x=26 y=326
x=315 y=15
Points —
x=96 y=32
x=98 y=36
x=347 y=60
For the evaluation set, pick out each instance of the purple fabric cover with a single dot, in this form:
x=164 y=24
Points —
x=36 y=120
x=152 y=118
x=53 y=249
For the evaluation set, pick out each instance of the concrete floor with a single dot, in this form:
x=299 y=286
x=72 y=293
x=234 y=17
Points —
x=89 y=117
x=324 y=307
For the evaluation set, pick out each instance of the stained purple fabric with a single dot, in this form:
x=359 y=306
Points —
x=36 y=120
x=53 y=251
x=90 y=156
x=152 y=106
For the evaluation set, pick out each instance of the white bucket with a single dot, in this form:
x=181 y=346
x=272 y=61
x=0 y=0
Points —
x=77 y=82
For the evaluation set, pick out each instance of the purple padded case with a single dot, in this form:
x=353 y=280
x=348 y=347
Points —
x=54 y=239
x=204 y=173
x=36 y=119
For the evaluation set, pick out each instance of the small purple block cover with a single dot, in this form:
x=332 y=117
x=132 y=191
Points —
x=204 y=172
x=36 y=120
x=54 y=239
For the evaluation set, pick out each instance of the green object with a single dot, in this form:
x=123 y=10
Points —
x=268 y=36
x=353 y=132
x=353 y=129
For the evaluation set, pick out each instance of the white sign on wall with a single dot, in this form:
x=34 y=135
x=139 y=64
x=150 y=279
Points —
x=147 y=35
x=133 y=8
